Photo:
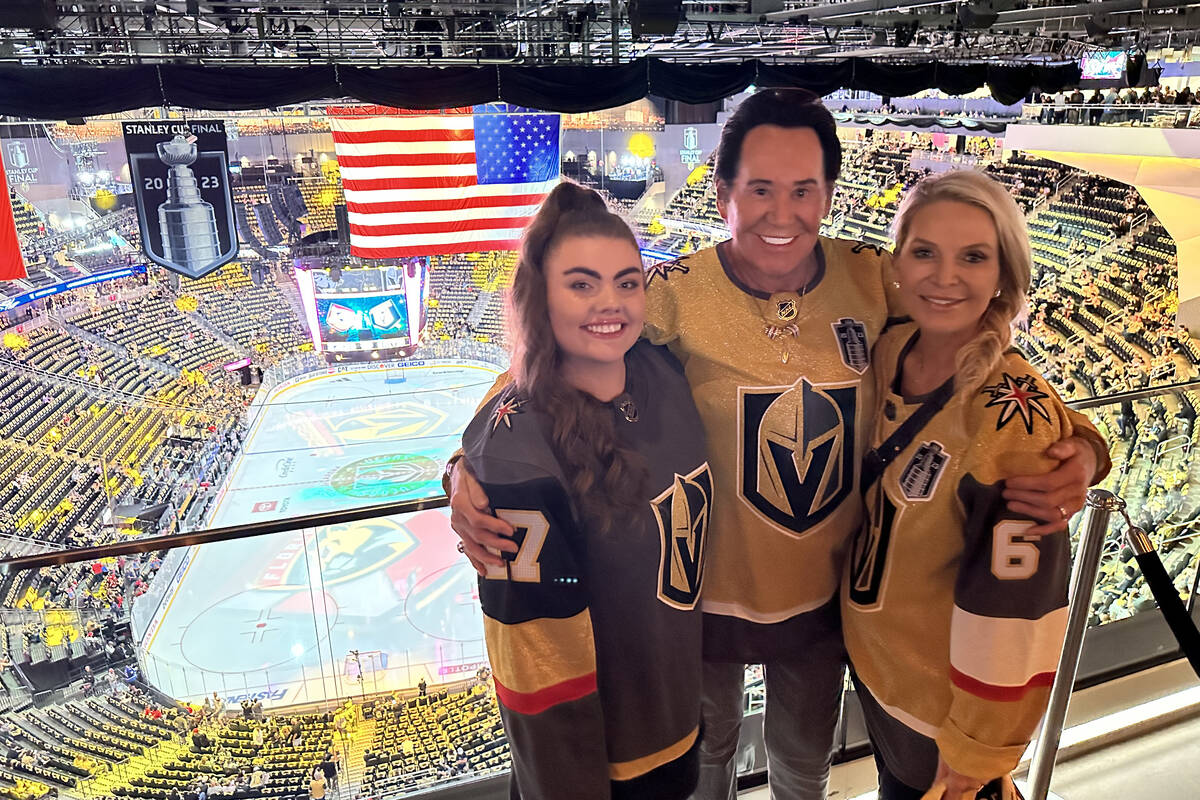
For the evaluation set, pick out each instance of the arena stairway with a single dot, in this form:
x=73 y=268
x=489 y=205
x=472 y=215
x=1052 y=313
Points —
x=352 y=760
x=480 y=308
x=120 y=774
x=77 y=332
x=287 y=287
x=221 y=336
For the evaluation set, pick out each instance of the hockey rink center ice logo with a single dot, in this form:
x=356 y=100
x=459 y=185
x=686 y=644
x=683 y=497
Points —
x=388 y=475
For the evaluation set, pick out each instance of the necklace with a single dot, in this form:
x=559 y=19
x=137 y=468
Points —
x=779 y=312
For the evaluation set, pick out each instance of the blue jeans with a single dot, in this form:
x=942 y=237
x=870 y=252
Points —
x=799 y=724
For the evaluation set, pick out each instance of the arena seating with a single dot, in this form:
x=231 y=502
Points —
x=320 y=198
x=1101 y=320
x=424 y=739
x=259 y=317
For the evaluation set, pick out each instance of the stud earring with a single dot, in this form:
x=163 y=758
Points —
x=895 y=284
x=997 y=294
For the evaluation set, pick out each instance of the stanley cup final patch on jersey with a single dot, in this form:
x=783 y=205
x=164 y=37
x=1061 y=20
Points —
x=798 y=460
x=682 y=512
x=1017 y=397
x=920 y=477
x=852 y=343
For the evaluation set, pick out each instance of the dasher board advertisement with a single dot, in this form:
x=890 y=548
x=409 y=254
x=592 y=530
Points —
x=180 y=175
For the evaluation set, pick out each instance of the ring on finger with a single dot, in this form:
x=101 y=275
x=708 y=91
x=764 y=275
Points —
x=1062 y=512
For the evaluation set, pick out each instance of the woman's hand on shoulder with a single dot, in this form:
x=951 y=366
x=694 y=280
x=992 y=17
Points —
x=471 y=518
x=1054 y=497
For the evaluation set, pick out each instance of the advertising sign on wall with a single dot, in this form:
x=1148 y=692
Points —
x=180 y=176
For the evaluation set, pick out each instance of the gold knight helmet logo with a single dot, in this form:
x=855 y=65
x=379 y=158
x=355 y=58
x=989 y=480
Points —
x=682 y=512
x=797 y=460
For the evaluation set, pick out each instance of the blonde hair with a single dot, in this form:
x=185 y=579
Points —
x=976 y=359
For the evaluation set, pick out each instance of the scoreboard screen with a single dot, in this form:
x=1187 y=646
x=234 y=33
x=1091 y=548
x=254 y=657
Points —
x=359 y=319
x=362 y=309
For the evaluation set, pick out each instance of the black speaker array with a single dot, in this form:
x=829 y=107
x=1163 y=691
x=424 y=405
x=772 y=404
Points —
x=37 y=15
x=655 y=17
x=343 y=224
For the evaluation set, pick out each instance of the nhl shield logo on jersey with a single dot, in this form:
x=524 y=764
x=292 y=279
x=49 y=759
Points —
x=852 y=342
x=920 y=477
x=682 y=512
x=797 y=462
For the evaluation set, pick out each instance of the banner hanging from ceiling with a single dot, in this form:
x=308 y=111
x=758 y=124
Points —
x=180 y=176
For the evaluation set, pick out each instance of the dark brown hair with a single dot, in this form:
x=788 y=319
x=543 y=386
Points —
x=605 y=478
x=787 y=108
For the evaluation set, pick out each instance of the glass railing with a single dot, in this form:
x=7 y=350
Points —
x=366 y=604
x=1149 y=115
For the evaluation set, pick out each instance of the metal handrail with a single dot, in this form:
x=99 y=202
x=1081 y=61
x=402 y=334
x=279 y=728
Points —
x=250 y=530
x=151 y=544
x=1137 y=394
x=1179 y=442
x=1101 y=505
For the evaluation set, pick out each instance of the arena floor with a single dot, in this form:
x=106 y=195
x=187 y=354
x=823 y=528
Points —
x=279 y=615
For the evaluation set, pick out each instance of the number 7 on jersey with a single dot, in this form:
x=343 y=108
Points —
x=529 y=532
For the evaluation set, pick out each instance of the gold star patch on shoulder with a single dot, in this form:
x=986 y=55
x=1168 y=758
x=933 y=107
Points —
x=1017 y=396
x=662 y=268
x=505 y=412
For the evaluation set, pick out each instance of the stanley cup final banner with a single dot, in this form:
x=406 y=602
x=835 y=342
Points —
x=180 y=176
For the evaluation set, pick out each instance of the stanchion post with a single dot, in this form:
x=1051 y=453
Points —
x=1101 y=504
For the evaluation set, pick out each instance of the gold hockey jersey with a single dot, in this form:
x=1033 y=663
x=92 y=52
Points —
x=784 y=392
x=952 y=617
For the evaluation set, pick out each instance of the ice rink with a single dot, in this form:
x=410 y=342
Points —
x=281 y=616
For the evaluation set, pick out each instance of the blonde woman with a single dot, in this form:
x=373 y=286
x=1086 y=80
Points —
x=953 y=610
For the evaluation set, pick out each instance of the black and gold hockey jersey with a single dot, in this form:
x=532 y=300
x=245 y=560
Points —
x=783 y=387
x=594 y=638
x=953 y=617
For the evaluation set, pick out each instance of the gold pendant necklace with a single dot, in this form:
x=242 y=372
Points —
x=780 y=313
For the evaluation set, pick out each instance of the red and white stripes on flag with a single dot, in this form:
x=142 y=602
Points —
x=413 y=185
x=12 y=263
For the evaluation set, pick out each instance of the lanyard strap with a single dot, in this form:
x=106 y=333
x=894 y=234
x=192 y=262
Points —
x=877 y=459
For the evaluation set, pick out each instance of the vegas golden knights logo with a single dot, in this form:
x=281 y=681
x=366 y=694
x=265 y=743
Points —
x=868 y=559
x=797 y=462
x=682 y=512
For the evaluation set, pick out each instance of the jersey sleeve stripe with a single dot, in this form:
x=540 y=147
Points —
x=539 y=701
x=530 y=656
x=1000 y=694
x=628 y=770
x=1005 y=651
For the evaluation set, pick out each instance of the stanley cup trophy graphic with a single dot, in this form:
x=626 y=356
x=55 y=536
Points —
x=186 y=223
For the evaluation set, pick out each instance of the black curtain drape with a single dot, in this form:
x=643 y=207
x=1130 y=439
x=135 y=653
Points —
x=62 y=92
x=904 y=121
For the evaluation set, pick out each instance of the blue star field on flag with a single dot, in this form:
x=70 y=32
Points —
x=516 y=148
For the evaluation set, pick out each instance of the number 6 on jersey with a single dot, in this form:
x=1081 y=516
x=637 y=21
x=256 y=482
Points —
x=1014 y=558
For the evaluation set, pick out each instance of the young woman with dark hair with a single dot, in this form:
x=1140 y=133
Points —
x=595 y=455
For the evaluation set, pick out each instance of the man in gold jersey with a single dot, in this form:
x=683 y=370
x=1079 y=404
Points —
x=774 y=328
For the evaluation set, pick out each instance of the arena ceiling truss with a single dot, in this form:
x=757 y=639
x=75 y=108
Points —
x=581 y=32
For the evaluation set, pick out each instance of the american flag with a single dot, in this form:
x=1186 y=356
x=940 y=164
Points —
x=422 y=185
